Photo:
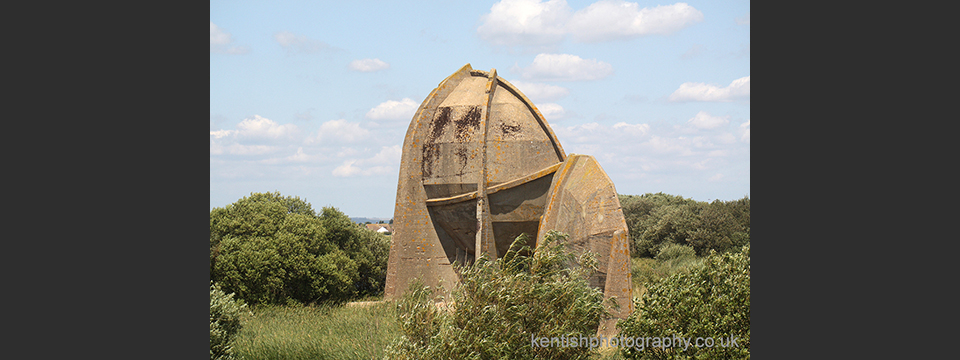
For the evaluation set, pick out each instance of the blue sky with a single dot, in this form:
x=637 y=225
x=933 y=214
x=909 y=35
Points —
x=312 y=99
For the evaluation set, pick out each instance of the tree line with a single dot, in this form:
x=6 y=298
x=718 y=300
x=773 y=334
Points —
x=275 y=249
x=658 y=220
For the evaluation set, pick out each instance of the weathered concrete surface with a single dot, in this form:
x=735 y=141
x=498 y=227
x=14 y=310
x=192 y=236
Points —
x=480 y=166
x=474 y=174
x=584 y=204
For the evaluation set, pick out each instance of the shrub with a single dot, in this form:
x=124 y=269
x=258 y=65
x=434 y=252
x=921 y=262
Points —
x=712 y=300
x=224 y=322
x=271 y=249
x=675 y=252
x=501 y=305
x=671 y=259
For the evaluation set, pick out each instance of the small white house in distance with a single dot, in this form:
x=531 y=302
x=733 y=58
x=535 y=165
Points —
x=380 y=228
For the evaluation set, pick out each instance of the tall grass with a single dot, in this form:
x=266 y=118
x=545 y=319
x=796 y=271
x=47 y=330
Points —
x=345 y=332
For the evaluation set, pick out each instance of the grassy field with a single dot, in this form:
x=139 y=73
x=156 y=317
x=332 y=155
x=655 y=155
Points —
x=346 y=332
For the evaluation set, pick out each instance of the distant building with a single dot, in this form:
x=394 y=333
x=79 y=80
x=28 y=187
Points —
x=380 y=228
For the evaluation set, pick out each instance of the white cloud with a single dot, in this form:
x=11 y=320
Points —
x=565 y=67
x=347 y=169
x=582 y=133
x=339 y=131
x=541 y=92
x=260 y=127
x=551 y=111
x=384 y=162
x=299 y=43
x=388 y=155
x=726 y=138
x=690 y=91
x=666 y=145
x=220 y=42
x=368 y=65
x=524 y=22
x=632 y=129
x=218 y=36
x=539 y=23
x=704 y=120
x=253 y=136
x=716 y=177
x=219 y=148
x=616 y=19
x=302 y=157
x=221 y=133
x=745 y=132
x=394 y=110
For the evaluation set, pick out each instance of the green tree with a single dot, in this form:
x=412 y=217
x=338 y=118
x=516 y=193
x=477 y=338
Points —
x=273 y=249
x=657 y=220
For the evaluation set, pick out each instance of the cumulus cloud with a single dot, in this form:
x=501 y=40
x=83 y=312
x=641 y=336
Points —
x=525 y=22
x=394 y=110
x=565 y=67
x=632 y=129
x=302 y=157
x=658 y=153
x=258 y=128
x=253 y=136
x=541 y=92
x=388 y=155
x=340 y=131
x=294 y=43
x=616 y=19
x=384 y=162
x=704 y=120
x=670 y=145
x=551 y=111
x=691 y=91
x=347 y=169
x=539 y=23
x=220 y=41
x=368 y=65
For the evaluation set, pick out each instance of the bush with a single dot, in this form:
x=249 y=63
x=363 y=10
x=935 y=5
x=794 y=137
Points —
x=712 y=300
x=224 y=322
x=671 y=259
x=675 y=252
x=501 y=305
x=271 y=249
